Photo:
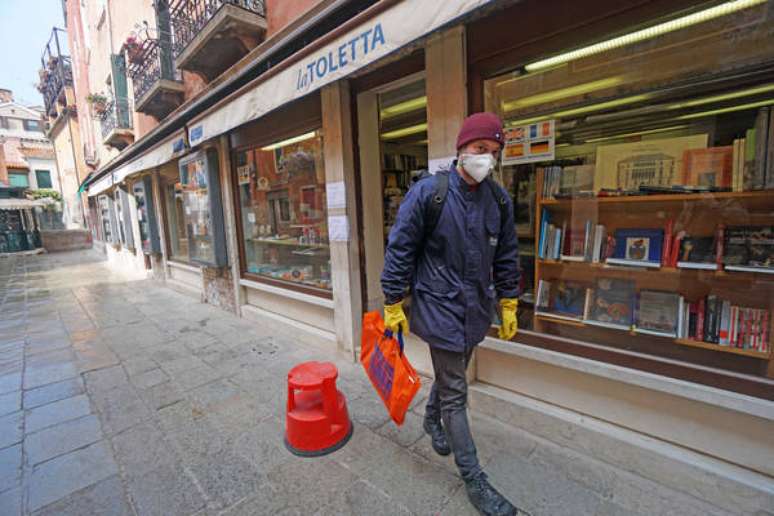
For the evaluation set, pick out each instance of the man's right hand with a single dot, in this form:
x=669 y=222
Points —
x=395 y=319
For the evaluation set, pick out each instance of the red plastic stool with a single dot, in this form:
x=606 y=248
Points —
x=317 y=421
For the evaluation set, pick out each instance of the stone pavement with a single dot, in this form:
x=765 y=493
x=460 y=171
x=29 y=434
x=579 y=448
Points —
x=123 y=397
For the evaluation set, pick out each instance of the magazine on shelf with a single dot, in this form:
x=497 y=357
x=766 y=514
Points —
x=698 y=253
x=611 y=303
x=708 y=167
x=658 y=313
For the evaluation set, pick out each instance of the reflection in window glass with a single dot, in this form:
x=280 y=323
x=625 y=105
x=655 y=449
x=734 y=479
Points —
x=283 y=213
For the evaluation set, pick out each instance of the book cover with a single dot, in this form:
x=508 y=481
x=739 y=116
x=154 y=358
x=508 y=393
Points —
x=612 y=303
x=761 y=141
x=697 y=252
x=667 y=247
x=692 y=320
x=708 y=167
x=700 y=317
x=639 y=245
x=765 y=335
x=749 y=246
x=769 y=179
x=576 y=179
x=725 y=323
x=567 y=298
x=541 y=301
x=735 y=166
x=658 y=312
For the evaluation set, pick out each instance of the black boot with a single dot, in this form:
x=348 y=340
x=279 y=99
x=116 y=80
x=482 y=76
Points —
x=437 y=437
x=487 y=500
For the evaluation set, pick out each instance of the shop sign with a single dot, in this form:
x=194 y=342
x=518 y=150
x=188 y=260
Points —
x=100 y=186
x=396 y=27
x=338 y=228
x=529 y=143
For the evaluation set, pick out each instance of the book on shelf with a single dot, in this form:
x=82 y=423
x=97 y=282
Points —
x=769 y=176
x=611 y=303
x=737 y=172
x=562 y=299
x=716 y=320
x=698 y=253
x=552 y=177
x=761 y=141
x=748 y=169
x=708 y=167
x=575 y=179
x=600 y=244
x=637 y=247
x=749 y=248
x=658 y=313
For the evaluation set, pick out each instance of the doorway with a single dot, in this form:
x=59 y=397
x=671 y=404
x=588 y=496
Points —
x=392 y=139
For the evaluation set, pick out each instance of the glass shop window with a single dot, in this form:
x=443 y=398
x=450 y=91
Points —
x=284 y=229
x=174 y=211
x=641 y=172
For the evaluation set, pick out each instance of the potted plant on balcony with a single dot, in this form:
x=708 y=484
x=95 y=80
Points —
x=98 y=102
x=133 y=50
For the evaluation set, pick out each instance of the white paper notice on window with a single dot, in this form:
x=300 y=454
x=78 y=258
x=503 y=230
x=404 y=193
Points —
x=337 y=195
x=251 y=218
x=338 y=228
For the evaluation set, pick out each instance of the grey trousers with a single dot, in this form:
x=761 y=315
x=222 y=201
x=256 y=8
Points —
x=448 y=402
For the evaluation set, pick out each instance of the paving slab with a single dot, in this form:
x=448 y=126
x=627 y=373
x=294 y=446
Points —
x=64 y=475
x=57 y=412
x=120 y=408
x=11 y=502
x=10 y=402
x=10 y=467
x=62 y=438
x=38 y=376
x=53 y=392
x=105 y=498
x=166 y=491
x=11 y=429
x=11 y=381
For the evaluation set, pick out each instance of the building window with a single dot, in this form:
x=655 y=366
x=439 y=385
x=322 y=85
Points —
x=284 y=228
x=33 y=125
x=19 y=179
x=638 y=175
x=4 y=122
x=174 y=210
x=44 y=178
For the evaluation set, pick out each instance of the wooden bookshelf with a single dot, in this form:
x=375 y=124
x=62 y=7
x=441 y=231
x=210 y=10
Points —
x=724 y=349
x=753 y=201
x=698 y=213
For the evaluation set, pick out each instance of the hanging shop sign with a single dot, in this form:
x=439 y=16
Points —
x=529 y=143
x=394 y=28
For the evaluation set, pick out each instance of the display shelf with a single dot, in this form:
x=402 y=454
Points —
x=725 y=349
x=287 y=242
x=753 y=201
x=566 y=321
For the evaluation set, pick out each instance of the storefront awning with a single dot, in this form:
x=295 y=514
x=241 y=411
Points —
x=387 y=32
x=101 y=185
x=158 y=155
x=21 y=204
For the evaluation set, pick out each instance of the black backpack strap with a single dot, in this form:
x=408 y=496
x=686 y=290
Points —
x=500 y=198
x=434 y=208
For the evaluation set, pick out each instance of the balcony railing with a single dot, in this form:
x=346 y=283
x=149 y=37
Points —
x=189 y=17
x=56 y=71
x=115 y=116
x=152 y=64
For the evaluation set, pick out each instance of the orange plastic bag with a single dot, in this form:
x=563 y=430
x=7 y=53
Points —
x=387 y=367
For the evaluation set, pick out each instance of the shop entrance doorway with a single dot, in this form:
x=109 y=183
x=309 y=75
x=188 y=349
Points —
x=392 y=138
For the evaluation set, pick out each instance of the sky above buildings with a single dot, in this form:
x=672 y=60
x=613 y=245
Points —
x=25 y=26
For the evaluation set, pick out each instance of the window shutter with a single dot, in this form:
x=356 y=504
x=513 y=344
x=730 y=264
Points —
x=118 y=66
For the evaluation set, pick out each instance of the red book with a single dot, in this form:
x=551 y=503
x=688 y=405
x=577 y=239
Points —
x=667 y=251
x=720 y=236
x=675 y=251
x=700 y=320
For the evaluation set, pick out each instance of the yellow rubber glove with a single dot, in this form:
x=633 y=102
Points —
x=510 y=324
x=395 y=318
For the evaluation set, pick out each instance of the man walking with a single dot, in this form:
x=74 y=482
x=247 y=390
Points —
x=454 y=247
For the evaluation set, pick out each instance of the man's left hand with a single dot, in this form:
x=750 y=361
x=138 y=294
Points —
x=510 y=324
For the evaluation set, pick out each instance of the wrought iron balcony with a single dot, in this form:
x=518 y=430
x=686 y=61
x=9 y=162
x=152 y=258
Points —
x=116 y=122
x=211 y=35
x=56 y=73
x=157 y=91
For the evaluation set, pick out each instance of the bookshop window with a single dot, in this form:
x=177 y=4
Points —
x=281 y=189
x=174 y=211
x=640 y=177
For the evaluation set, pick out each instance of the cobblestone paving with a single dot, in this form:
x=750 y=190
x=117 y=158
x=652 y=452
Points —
x=123 y=397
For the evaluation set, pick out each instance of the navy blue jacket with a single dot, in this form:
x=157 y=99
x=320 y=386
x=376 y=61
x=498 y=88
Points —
x=456 y=274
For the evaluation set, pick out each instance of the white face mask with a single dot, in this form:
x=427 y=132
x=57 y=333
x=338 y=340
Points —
x=478 y=166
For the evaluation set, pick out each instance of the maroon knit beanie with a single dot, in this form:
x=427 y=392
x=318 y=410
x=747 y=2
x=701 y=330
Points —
x=481 y=126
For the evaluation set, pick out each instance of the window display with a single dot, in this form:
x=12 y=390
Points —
x=171 y=189
x=202 y=208
x=125 y=217
x=107 y=217
x=118 y=207
x=639 y=176
x=146 y=216
x=283 y=214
